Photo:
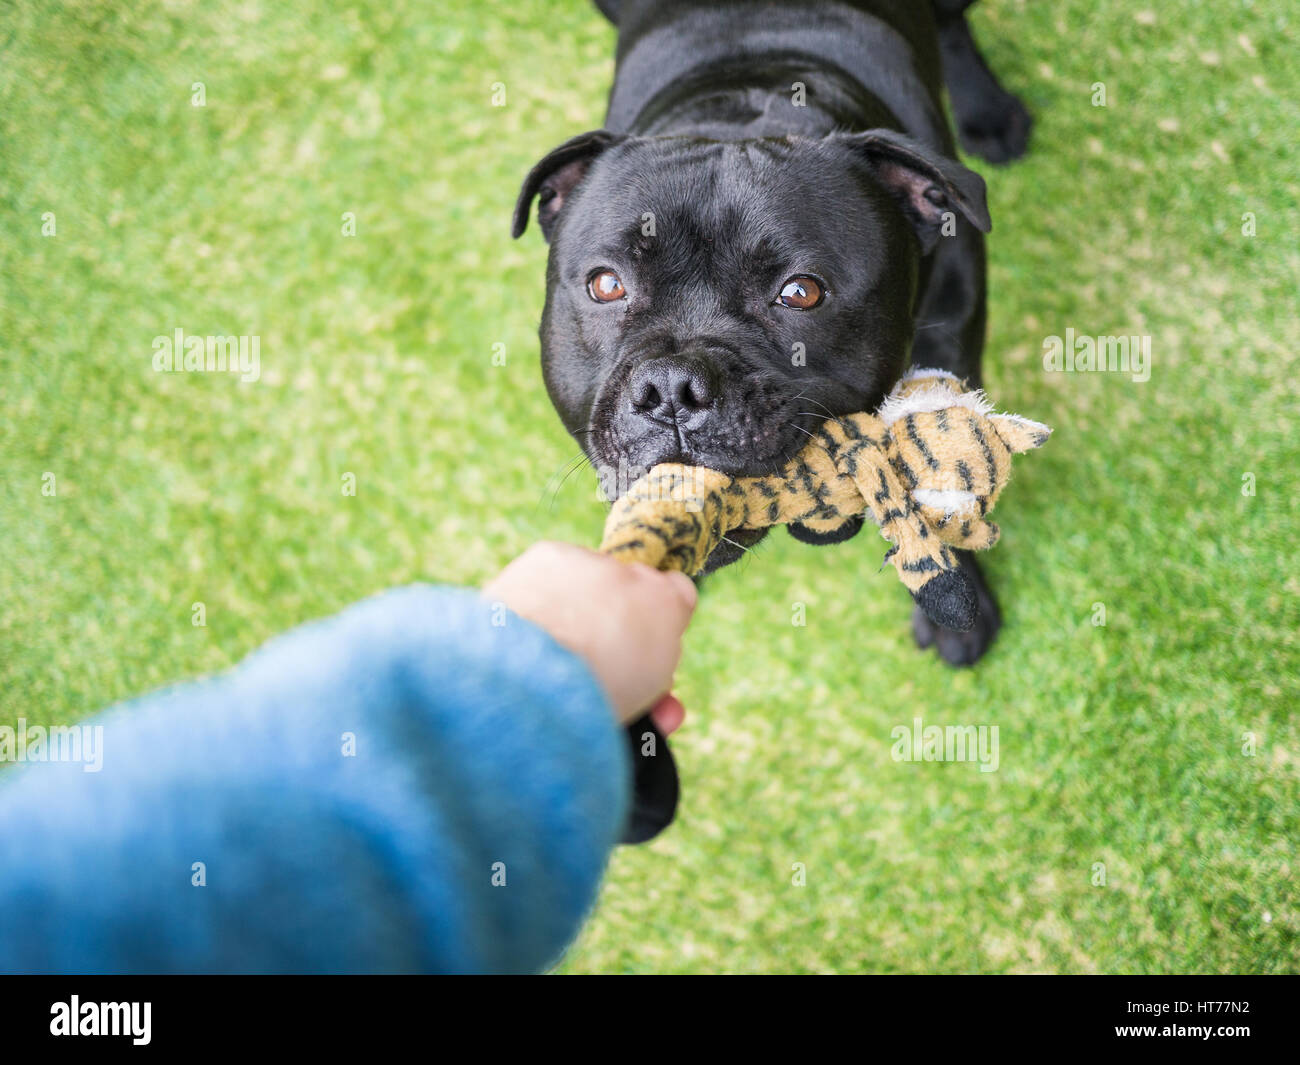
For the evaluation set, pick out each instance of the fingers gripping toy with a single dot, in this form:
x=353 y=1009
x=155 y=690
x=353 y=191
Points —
x=927 y=466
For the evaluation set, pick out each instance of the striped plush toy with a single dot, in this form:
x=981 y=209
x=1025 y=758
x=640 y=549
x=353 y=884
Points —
x=927 y=466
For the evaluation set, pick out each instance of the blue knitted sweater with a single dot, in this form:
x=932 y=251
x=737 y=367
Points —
x=405 y=787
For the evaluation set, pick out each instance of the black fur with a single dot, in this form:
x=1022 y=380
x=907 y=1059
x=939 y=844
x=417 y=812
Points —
x=747 y=143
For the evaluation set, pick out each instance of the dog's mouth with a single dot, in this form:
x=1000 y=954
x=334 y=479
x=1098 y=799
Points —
x=621 y=470
x=754 y=429
x=734 y=544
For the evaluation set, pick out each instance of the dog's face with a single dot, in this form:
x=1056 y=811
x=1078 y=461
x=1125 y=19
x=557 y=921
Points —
x=710 y=302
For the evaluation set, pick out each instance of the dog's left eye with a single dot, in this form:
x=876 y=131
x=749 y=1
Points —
x=801 y=293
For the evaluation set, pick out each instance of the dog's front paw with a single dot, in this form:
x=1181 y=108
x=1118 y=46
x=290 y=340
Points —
x=962 y=648
x=996 y=130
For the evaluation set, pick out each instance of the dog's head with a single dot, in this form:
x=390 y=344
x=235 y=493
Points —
x=709 y=301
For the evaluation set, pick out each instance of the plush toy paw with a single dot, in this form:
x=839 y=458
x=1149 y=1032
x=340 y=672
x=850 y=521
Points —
x=962 y=648
x=847 y=531
x=949 y=600
x=654 y=783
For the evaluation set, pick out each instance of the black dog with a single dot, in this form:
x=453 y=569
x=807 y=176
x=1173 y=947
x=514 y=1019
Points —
x=769 y=225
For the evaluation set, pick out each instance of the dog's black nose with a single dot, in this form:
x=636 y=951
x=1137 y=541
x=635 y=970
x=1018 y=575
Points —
x=673 y=390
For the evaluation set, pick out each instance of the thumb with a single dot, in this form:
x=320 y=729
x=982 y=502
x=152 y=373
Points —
x=685 y=591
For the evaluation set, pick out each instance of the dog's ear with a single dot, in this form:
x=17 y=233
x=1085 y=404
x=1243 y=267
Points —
x=554 y=178
x=925 y=183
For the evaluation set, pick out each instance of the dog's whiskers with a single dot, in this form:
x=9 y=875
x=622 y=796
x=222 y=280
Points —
x=810 y=436
x=830 y=414
x=571 y=467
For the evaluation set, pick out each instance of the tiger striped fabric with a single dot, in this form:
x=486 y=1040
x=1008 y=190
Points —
x=927 y=467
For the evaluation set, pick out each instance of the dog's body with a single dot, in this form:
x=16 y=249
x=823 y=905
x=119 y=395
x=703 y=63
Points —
x=771 y=223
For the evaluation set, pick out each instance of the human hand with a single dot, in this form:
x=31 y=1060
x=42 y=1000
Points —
x=625 y=620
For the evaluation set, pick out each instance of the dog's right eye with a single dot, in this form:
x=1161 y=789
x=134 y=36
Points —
x=604 y=286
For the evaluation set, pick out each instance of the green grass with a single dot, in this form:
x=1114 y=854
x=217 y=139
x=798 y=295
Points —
x=1119 y=744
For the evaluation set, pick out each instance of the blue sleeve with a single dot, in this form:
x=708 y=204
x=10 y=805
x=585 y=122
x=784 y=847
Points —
x=421 y=783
